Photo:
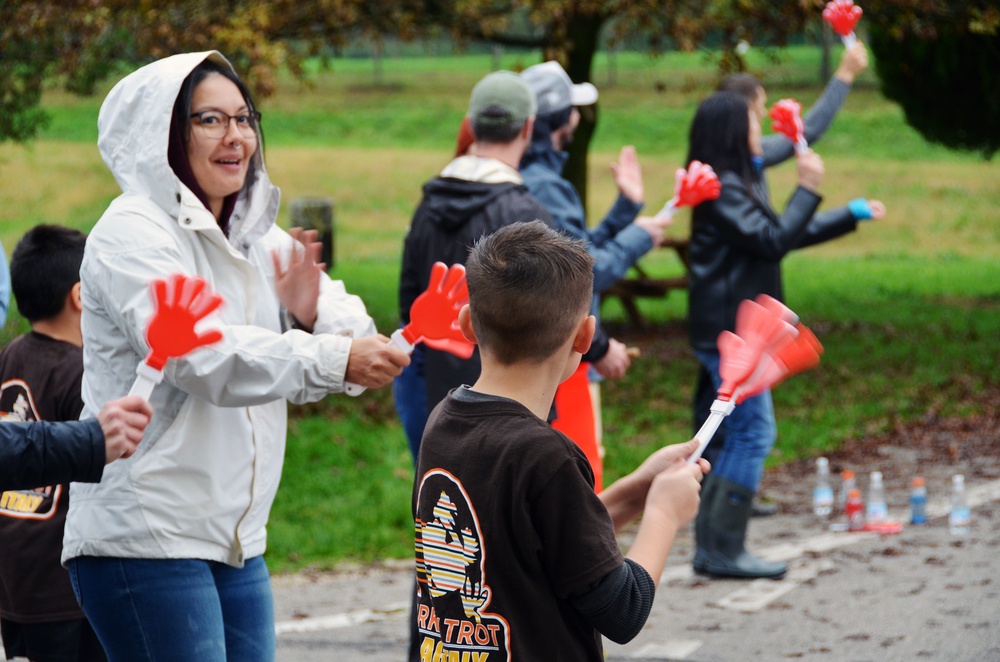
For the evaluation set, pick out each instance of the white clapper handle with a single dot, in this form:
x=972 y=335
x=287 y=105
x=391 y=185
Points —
x=146 y=379
x=396 y=340
x=720 y=409
x=668 y=211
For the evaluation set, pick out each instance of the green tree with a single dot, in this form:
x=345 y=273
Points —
x=84 y=40
x=941 y=63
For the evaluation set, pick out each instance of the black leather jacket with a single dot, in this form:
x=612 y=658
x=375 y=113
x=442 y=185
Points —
x=737 y=243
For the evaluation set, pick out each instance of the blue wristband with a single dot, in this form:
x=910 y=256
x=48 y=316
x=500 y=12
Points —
x=860 y=208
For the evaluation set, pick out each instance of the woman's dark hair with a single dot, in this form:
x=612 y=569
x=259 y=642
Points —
x=720 y=136
x=180 y=127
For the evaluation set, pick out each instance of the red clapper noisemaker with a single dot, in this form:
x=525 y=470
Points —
x=695 y=185
x=434 y=317
x=843 y=15
x=786 y=119
x=179 y=304
x=770 y=345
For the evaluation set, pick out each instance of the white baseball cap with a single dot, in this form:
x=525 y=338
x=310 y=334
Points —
x=554 y=91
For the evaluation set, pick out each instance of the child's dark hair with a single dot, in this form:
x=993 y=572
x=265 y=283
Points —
x=744 y=84
x=529 y=287
x=44 y=268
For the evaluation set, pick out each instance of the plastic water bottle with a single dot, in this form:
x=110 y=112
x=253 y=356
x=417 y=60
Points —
x=823 y=492
x=855 y=511
x=918 y=501
x=958 y=520
x=846 y=485
x=877 y=510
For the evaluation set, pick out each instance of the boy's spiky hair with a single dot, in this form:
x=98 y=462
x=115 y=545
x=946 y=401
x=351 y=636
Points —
x=529 y=287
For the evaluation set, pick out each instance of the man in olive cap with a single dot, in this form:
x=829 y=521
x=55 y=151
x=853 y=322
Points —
x=472 y=197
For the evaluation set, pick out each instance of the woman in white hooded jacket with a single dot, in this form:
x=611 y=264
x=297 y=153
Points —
x=165 y=553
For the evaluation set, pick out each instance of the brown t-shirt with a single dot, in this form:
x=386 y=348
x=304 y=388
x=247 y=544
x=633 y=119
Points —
x=39 y=380
x=507 y=528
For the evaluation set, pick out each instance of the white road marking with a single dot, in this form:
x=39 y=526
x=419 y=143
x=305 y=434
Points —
x=759 y=593
x=344 y=620
x=751 y=597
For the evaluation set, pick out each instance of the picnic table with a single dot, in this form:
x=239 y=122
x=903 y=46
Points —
x=642 y=285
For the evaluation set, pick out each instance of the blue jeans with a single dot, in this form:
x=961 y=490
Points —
x=409 y=394
x=750 y=433
x=162 y=610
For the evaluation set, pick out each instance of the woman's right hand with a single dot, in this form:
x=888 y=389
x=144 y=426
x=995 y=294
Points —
x=373 y=362
x=810 y=167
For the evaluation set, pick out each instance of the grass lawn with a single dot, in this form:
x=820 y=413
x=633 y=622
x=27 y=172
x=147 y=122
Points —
x=908 y=308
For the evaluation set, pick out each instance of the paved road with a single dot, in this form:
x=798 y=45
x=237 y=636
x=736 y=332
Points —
x=920 y=595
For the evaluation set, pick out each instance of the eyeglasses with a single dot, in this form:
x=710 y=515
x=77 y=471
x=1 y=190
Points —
x=215 y=123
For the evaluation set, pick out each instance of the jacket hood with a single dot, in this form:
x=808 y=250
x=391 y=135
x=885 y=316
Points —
x=464 y=188
x=133 y=136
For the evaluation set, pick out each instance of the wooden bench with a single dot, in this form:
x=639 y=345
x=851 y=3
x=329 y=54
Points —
x=627 y=290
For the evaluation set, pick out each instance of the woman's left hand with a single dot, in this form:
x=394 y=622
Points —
x=297 y=284
x=878 y=209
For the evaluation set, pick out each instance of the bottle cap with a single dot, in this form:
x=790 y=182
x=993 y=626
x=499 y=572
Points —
x=958 y=478
x=876 y=475
x=846 y=474
x=822 y=462
x=854 y=494
x=918 y=481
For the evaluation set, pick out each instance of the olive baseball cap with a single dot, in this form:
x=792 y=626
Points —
x=553 y=89
x=500 y=98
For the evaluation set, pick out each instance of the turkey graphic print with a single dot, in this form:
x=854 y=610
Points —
x=452 y=588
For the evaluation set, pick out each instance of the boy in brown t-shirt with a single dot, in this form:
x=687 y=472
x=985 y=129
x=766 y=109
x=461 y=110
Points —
x=40 y=375
x=516 y=555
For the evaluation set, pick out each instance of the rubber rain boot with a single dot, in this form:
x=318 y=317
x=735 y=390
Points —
x=701 y=523
x=720 y=533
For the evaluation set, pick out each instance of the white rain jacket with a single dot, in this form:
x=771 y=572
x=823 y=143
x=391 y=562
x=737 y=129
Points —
x=203 y=479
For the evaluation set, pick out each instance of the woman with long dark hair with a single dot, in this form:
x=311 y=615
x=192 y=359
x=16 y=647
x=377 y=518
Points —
x=737 y=244
x=165 y=554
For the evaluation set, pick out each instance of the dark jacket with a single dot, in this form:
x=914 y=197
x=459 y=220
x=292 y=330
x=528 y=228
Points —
x=48 y=453
x=737 y=243
x=451 y=216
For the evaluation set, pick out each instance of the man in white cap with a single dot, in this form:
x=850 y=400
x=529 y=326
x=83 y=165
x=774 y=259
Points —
x=621 y=238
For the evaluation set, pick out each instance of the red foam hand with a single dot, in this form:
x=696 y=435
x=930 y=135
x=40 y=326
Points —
x=795 y=355
x=735 y=363
x=786 y=119
x=434 y=314
x=842 y=15
x=180 y=303
x=777 y=308
x=758 y=330
x=696 y=184
x=800 y=354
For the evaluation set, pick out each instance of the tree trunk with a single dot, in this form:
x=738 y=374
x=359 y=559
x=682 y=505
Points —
x=825 y=35
x=586 y=31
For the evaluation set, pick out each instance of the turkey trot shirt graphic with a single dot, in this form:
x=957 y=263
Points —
x=452 y=587
x=41 y=503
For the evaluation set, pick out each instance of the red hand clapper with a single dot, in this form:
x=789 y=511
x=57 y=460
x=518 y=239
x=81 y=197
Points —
x=843 y=15
x=786 y=119
x=434 y=314
x=693 y=186
x=434 y=317
x=765 y=349
x=179 y=304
